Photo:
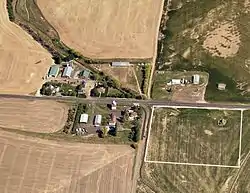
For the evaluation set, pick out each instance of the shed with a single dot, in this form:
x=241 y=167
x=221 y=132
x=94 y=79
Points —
x=174 y=82
x=98 y=120
x=120 y=64
x=113 y=105
x=86 y=73
x=113 y=119
x=222 y=86
x=84 y=118
x=196 y=79
x=67 y=71
x=53 y=71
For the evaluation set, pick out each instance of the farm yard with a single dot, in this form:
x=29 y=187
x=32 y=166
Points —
x=108 y=28
x=39 y=116
x=125 y=75
x=44 y=166
x=184 y=92
x=214 y=39
x=171 y=178
x=23 y=61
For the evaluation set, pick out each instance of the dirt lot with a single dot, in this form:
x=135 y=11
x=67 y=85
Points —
x=32 y=115
x=23 y=61
x=165 y=178
x=183 y=93
x=125 y=75
x=107 y=28
x=33 y=165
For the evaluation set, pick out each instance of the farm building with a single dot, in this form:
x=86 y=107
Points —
x=85 y=73
x=120 y=64
x=113 y=105
x=174 y=82
x=84 y=118
x=67 y=72
x=98 y=120
x=221 y=86
x=53 y=71
x=196 y=79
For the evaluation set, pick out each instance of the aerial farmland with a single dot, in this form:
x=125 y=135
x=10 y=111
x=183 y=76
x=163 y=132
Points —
x=32 y=165
x=108 y=28
x=23 y=61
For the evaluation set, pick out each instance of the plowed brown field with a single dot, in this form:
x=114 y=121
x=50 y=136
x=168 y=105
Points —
x=32 y=165
x=32 y=115
x=106 y=28
x=23 y=62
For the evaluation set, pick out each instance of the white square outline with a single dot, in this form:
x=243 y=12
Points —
x=194 y=164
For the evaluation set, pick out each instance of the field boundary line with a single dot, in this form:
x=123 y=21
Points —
x=193 y=164
x=149 y=130
x=241 y=127
x=193 y=107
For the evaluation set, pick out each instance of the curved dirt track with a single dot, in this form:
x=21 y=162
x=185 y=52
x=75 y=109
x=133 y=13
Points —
x=23 y=62
x=33 y=115
x=106 y=28
x=35 y=165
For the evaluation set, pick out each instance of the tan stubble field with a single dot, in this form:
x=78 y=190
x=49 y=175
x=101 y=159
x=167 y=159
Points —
x=106 y=28
x=23 y=62
x=40 y=116
x=35 y=165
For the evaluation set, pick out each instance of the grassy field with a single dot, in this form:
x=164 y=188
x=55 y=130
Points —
x=166 y=178
x=194 y=136
x=211 y=36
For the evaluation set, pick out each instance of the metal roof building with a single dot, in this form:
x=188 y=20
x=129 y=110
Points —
x=98 y=120
x=67 y=71
x=196 y=79
x=53 y=71
x=120 y=64
x=84 y=118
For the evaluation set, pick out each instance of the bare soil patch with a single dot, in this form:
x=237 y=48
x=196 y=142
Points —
x=224 y=41
x=106 y=28
x=36 y=165
x=32 y=115
x=125 y=75
x=23 y=61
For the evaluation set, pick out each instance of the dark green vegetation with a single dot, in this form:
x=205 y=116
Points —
x=10 y=10
x=165 y=178
x=146 y=71
x=193 y=15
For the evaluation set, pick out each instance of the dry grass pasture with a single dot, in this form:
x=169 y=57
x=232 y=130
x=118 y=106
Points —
x=107 y=28
x=23 y=61
x=194 y=136
x=32 y=115
x=167 y=178
x=125 y=75
x=35 y=165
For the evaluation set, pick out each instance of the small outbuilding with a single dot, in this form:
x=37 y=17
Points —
x=196 y=79
x=174 y=82
x=98 y=120
x=67 y=72
x=53 y=71
x=113 y=105
x=120 y=64
x=221 y=86
x=84 y=118
x=113 y=120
